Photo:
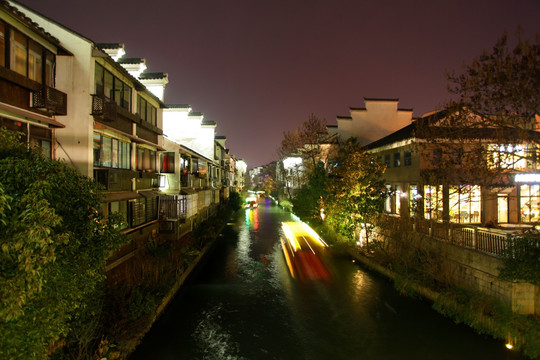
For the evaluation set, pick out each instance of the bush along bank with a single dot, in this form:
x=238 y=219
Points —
x=161 y=269
x=417 y=272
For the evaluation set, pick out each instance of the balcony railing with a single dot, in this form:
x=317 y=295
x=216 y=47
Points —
x=50 y=99
x=173 y=207
x=103 y=108
x=115 y=179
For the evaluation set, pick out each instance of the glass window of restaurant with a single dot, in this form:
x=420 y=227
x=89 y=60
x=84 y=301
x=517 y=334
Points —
x=397 y=199
x=413 y=199
x=388 y=201
x=433 y=202
x=529 y=197
x=465 y=203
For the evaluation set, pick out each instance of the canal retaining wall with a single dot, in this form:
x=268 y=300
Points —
x=468 y=269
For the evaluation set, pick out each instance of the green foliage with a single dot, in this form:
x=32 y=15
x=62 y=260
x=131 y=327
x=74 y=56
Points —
x=235 y=200
x=286 y=205
x=356 y=190
x=521 y=259
x=141 y=303
x=307 y=201
x=54 y=245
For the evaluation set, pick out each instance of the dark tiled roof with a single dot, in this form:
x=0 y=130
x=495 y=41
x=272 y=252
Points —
x=404 y=133
x=153 y=75
x=26 y=20
x=195 y=113
x=124 y=60
x=110 y=45
x=344 y=117
x=178 y=106
x=208 y=122
x=221 y=137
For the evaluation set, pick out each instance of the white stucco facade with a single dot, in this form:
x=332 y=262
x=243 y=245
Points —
x=379 y=118
x=187 y=128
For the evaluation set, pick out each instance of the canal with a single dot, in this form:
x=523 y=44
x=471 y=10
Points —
x=242 y=303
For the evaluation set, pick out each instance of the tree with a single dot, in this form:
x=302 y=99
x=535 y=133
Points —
x=502 y=85
x=54 y=246
x=356 y=191
x=305 y=141
x=308 y=201
x=302 y=151
x=488 y=131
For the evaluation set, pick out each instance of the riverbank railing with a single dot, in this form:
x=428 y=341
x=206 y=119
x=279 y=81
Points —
x=490 y=241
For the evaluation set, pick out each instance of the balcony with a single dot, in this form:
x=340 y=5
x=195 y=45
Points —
x=50 y=100
x=185 y=180
x=148 y=180
x=103 y=108
x=115 y=179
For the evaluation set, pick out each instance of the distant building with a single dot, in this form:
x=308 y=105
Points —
x=378 y=118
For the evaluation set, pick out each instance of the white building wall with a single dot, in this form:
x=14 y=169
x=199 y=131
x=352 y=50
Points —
x=189 y=131
x=74 y=76
x=378 y=119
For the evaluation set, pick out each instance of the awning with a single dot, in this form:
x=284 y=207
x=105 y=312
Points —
x=121 y=195
x=16 y=113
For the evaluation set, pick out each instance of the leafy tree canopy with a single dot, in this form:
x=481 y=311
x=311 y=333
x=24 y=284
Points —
x=356 y=189
x=54 y=245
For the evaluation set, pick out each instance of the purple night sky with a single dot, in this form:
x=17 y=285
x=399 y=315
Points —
x=259 y=68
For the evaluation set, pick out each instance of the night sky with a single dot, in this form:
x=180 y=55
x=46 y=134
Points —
x=259 y=68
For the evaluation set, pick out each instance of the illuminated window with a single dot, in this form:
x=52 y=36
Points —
x=529 y=198
x=35 y=62
x=397 y=200
x=433 y=202
x=19 y=49
x=465 y=203
x=146 y=159
x=111 y=87
x=111 y=152
x=167 y=162
x=413 y=199
x=517 y=157
x=388 y=202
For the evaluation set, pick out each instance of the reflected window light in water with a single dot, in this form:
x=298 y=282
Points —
x=359 y=284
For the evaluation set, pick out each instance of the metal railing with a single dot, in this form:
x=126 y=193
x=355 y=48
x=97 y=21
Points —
x=490 y=241
x=173 y=207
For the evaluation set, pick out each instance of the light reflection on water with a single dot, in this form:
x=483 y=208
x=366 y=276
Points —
x=213 y=340
x=245 y=305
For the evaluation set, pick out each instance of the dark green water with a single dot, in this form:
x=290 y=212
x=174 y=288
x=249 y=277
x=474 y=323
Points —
x=243 y=304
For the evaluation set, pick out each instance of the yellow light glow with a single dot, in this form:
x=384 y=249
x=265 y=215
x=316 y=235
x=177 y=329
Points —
x=289 y=235
x=287 y=258
x=509 y=346
x=299 y=230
